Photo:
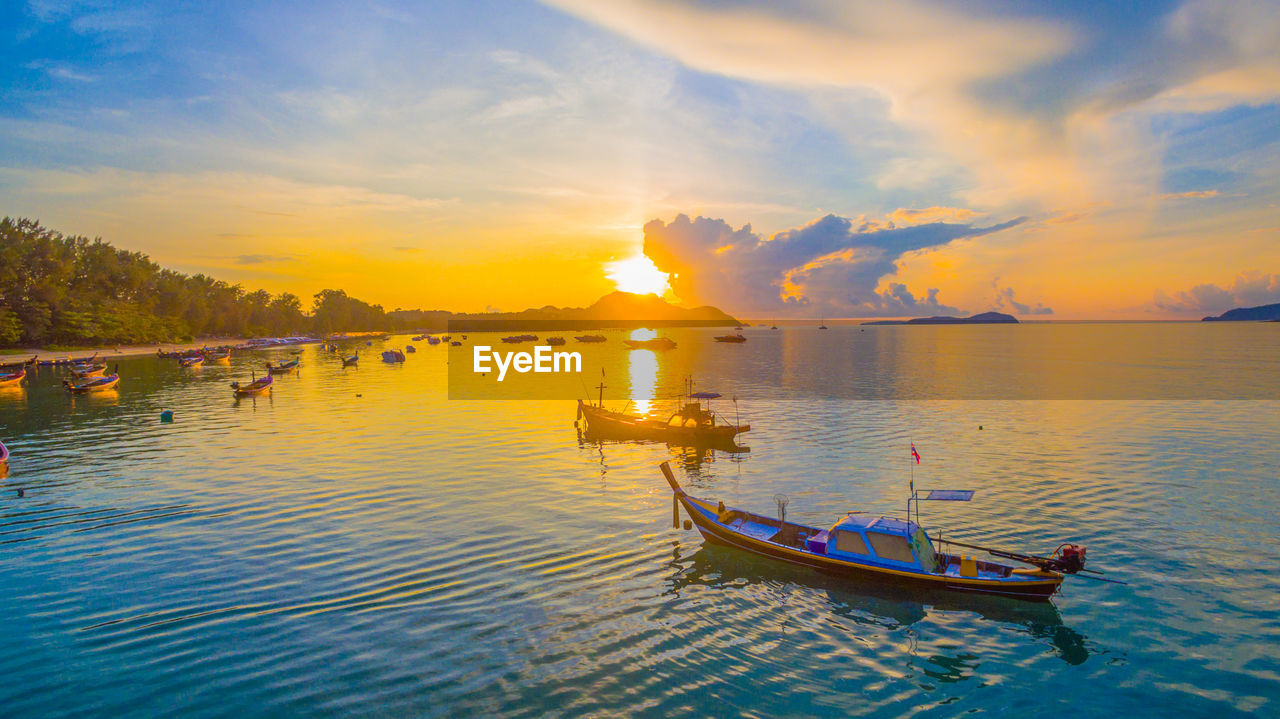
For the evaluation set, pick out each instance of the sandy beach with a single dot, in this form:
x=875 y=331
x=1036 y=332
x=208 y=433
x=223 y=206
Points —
x=110 y=351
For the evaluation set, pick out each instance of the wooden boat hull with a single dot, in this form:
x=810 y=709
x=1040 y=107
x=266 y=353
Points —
x=9 y=380
x=93 y=386
x=615 y=425
x=705 y=517
x=257 y=387
x=190 y=361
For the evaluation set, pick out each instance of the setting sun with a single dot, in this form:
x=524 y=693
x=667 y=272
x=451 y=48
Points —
x=637 y=274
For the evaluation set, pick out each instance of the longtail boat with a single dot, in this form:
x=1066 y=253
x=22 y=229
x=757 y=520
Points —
x=657 y=343
x=219 y=356
x=92 y=384
x=283 y=367
x=87 y=371
x=191 y=361
x=693 y=424
x=257 y=386
x=12 y=378
x=879 y=549
x=13 y=366
x=730 y=338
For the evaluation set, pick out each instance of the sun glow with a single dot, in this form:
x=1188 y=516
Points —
x=638 y=275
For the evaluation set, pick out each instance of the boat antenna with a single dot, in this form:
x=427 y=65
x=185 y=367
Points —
x=601 y=387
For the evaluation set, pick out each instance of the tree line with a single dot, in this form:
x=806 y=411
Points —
x=60 y=290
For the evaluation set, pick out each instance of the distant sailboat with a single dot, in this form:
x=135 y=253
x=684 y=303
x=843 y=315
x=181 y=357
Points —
x=822 y=323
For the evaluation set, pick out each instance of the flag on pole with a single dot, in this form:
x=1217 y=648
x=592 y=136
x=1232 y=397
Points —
x=914 y=453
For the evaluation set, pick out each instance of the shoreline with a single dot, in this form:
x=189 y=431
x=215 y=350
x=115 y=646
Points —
x=110 y=351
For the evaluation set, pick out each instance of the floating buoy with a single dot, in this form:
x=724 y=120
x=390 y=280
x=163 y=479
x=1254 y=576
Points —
x=166 y=416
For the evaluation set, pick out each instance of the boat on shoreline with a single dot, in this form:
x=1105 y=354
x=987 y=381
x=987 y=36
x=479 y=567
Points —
x=878 y=549
x=14 y=366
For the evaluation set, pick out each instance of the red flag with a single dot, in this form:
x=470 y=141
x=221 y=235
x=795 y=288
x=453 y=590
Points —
x=914 y=453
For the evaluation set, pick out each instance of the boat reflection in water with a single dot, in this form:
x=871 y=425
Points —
x=716 y=567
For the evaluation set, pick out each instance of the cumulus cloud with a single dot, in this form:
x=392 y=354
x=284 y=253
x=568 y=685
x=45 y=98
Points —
x=833 y=265
x=1006 y=302
x=1249 y=289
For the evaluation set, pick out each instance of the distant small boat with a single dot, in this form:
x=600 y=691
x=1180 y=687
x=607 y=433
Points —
x=731 y=338
x=393 y=356
x=739 y=327
x=261 y=385
x=351 y=361
x=515 y=339
x=657 y=343
x=455 y=343
x=13 y=378
x=555 y=341
x=591 y=338
x=191 y=361
x=283 y=367
x=822 y=324
x=92 y=384
x=410 y=348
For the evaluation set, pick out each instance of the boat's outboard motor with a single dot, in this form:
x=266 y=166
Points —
x=1068 y=558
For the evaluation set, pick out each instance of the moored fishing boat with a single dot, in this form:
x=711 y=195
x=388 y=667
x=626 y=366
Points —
x=283 y=367
x=218 y=356
x=730 y=338
x=555 y=341
x=10 y=379
x=591 y=338
x=694 y=423
x=260 y=385
x=93 y=384
x=879 y=549
x=87 y=371
x=191 y=361
x=657 y=343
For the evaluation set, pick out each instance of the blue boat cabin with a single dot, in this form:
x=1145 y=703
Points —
x=890 y=543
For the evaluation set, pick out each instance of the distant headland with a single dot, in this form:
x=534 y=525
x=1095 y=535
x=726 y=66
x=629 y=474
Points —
x=983 y=318
x=1261 y=313
x=614 y=310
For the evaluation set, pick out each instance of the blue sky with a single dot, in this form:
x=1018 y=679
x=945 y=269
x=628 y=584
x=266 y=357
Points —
x=511 y=150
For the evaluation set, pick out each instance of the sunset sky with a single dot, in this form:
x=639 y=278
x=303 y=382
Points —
x=805 y=159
